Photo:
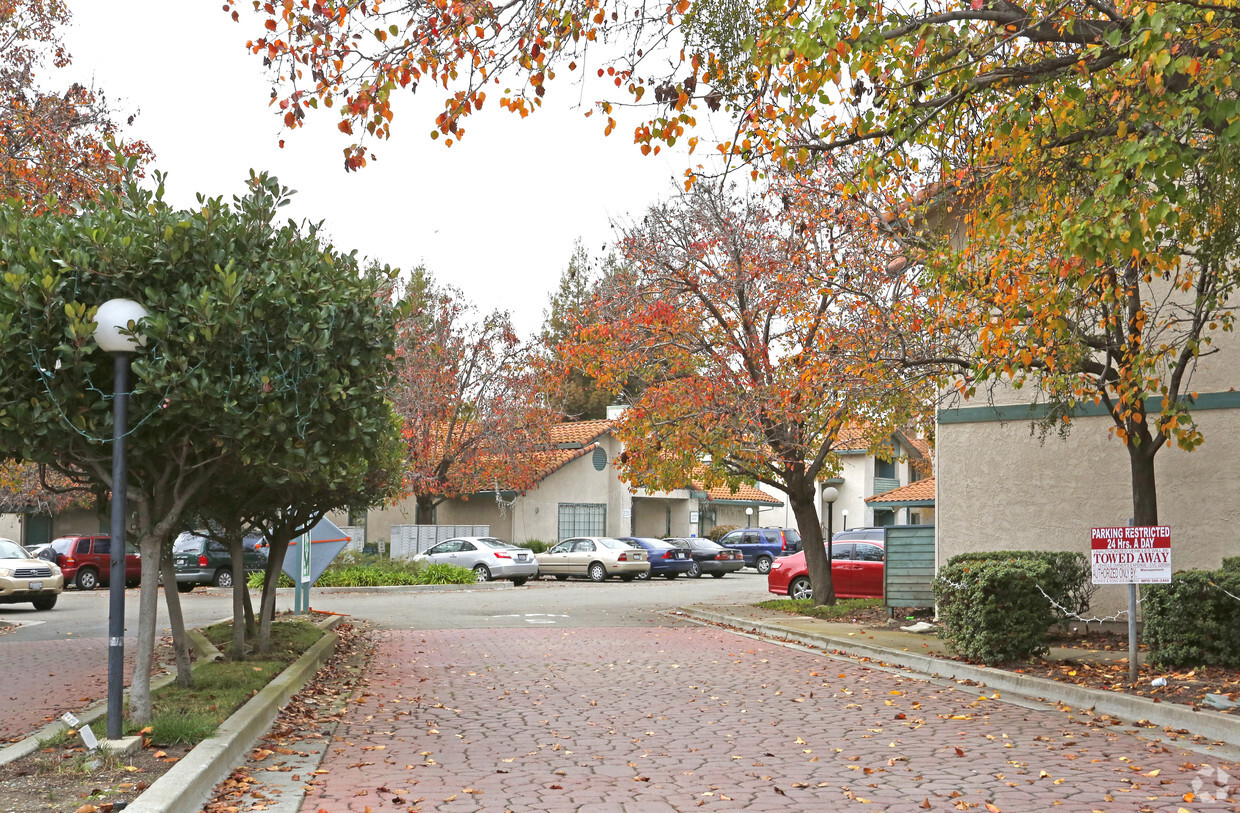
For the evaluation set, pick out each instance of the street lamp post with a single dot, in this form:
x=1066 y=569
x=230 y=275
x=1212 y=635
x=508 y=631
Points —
x=844 y=514
x=113 y=317
x=829 y=495
x=749 y=516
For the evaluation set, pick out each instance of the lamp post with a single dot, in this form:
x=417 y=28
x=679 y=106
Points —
x=749 y=516
x=829 y=495
x=113 y=317
x=844 y=514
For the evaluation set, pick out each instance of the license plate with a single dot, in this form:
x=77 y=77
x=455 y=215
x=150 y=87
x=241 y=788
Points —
x=36 y=585
x=179 y=562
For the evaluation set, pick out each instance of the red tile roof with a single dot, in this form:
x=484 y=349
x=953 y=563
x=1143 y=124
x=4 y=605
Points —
x=582 y=432
x=918 y=491
x=743 y=492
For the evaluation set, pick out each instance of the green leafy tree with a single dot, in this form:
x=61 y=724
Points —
x=268 y=350
x=571 y=391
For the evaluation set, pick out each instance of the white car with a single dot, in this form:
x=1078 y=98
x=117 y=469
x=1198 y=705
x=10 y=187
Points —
x=488 y=557
x=595 y=557
x=24 y=578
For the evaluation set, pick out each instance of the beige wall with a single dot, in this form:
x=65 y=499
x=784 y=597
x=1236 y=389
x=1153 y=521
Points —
x=999 y=487
x=11 y=527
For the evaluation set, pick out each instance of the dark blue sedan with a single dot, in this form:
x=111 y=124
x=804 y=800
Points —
x=666 y=559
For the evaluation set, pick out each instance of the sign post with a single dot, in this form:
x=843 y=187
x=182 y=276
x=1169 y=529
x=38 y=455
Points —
x=1131 y=556
x=302 y=599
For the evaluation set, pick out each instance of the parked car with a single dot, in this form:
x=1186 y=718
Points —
x=43 y=551
x=24 y=578
x=488 y=557
x=856 y=570
x=666 y=560
x=201 y=560
x=762 y=546
x=594 y=557
x=709 y=557
x=86 y=560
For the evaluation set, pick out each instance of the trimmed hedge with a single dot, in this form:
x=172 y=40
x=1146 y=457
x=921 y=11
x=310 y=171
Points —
x=717 y=532
x=1192 y=621
x=535 y=545
x=991 y=608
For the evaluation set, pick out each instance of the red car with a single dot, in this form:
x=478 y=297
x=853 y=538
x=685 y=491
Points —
x=86 y=561
x=856 y=572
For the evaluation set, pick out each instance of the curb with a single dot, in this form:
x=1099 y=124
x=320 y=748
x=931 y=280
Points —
x=190 y=782
x=1132 y=710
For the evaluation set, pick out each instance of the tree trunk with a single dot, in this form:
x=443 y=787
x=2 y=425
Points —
x=144 y=655
x=271 y=580
x=1144 y=487
x=816 y=561
x=176 y=620
x=236 y=553
x=251 y=628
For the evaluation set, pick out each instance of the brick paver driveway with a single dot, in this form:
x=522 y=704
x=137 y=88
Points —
x=687 y=717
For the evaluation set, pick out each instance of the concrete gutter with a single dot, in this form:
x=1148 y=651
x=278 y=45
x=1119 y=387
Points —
x=190 y=782
x=1131 y=710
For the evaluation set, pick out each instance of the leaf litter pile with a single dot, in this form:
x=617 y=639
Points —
x=303 y=726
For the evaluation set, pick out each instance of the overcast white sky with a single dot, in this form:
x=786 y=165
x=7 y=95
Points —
x=496 y=214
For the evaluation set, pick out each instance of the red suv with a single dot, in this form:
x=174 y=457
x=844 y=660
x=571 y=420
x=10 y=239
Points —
x=86 y=561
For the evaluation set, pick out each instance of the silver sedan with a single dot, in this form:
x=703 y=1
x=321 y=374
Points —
x=488 y=557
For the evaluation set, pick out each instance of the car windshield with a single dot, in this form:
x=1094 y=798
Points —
x=615 y=544
x=706 y=544
x=11 y=550
x=658 y=544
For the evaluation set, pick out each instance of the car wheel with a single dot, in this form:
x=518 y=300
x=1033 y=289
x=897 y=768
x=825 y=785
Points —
x=44 y=602
x=184 y=587
x=800 y=588
x=561 y=578
x=643 y=575
x=763 y=565
x=518 y=582
x=482 y=572
x=87 y=579
x=695 y=570
x=223 y=578
x=598 y=573
x=717 y=575
x=670 y=576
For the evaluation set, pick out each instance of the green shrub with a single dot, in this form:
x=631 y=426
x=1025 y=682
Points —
x=535 y=545
x=717 y=532
x=443 y=573
x=378 y=571
x=1192 y=621
x=1232 y=563
x=992 y=607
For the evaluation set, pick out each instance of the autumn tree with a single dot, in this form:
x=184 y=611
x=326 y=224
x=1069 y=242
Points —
x=467 y=393
x=35 y=489
x=54 y=144
x=1090 y=127
x=269 y=352
x=740 y=317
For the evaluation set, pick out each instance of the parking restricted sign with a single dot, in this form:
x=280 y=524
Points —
x=1139 y=555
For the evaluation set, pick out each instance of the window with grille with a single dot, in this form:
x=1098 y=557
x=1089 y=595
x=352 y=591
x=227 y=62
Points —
x=582 y=519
